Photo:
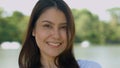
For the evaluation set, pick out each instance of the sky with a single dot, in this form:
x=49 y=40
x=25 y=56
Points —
x=98 y=7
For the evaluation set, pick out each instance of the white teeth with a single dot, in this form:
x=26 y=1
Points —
x=54 y=43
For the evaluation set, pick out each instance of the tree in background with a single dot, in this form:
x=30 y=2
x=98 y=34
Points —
x=12 y=27
x=87 y=26
x=114 y=25
x=20 y=22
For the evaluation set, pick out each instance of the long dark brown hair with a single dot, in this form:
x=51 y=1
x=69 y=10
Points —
x=30 y=54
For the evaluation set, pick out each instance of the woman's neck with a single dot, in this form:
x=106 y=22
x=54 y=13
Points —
x=48 y=62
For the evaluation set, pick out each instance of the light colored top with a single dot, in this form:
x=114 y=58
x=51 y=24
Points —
x=88 y=64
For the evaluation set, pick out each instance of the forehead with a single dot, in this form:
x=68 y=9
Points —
x=53 y=14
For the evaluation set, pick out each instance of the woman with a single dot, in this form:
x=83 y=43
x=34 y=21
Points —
x=49 y=39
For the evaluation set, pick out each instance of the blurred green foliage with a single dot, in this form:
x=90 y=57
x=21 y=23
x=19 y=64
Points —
x=12 y=28
x=88 y=26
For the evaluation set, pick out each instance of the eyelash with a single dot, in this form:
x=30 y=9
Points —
x=49 y=26
x=63 y=27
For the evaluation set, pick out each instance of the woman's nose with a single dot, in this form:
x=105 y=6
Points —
x=56 y=34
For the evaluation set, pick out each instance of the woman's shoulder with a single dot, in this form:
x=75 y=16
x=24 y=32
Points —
x=88 y=64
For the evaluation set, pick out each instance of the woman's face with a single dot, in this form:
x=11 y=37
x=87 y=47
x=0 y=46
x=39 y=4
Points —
x=50 y=32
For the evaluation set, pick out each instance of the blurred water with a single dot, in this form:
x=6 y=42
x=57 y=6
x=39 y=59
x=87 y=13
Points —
x=108 y=57
x=9 y=58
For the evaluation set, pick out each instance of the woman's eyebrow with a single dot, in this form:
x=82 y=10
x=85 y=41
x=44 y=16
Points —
x=47 y=21
x=63 y=23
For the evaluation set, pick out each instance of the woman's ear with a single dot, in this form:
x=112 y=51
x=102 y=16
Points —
x=33 y=33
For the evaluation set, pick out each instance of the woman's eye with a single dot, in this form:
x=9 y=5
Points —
x=64 y=27
x=47 y=26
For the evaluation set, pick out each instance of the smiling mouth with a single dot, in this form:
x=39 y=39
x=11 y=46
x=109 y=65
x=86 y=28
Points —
x=54 y=43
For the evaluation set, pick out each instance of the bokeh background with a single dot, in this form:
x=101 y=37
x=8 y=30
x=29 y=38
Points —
x=97 y=30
